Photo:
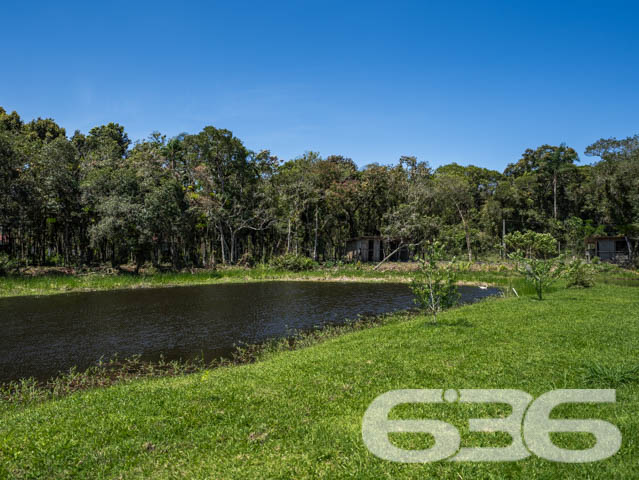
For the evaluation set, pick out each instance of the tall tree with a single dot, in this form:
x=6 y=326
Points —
x=453 y=193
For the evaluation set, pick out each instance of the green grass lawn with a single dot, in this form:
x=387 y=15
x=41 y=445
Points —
x=298 y=414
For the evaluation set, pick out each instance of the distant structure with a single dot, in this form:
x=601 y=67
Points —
x=613 y=249
x=375 y=249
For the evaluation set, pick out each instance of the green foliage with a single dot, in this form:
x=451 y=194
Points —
x=540 y=176
x=204 y=199
x=333 y=264
x=533 y=244
x=434 y=286
x=579 y=273
x=293 y=263
x=7 y=264
x=463 y=267
x=55 y=259
x=541 y=273
x=576 y=232
x=603 y=267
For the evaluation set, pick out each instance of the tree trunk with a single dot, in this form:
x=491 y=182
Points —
x=232 y=253
x=467 y=233
x=139 y=261
x=554 y=194
x=316 y=228
x=222 y=246
x=66 y=244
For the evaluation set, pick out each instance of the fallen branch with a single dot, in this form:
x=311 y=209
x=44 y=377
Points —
x=388 y=256
x=401 y=245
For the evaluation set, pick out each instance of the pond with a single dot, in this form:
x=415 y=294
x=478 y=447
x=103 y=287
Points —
x=42 y=336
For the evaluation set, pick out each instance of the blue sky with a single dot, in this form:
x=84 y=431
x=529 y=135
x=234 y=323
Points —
x=467 y=82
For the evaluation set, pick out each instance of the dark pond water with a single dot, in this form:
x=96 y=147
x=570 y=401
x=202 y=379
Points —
x=42 y=336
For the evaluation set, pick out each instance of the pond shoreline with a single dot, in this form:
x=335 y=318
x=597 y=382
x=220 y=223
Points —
x=120 y=371
x=51 y=334
x=19 y=286
x=262 y=419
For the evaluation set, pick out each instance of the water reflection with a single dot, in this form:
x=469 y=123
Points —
x=45 y=335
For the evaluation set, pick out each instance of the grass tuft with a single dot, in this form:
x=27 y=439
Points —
x=610 y=376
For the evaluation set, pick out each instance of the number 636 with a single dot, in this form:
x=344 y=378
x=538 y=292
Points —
x=529 y=425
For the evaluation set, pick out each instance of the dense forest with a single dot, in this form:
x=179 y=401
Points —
x=204 y=199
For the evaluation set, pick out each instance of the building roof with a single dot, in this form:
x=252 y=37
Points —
x=606 y=237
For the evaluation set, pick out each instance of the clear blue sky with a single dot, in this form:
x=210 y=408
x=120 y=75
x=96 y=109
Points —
x=445 y=81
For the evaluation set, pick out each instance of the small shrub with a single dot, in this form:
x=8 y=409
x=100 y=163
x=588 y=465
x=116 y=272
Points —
x=150 y=269
x=532 y=244
x=333 y=263
x=7 y=264
x=292 y=262
x=464 y=267
x=600 y=266
x=540 y=273
x=55 y=260
x=579 y=273
x=434 y=287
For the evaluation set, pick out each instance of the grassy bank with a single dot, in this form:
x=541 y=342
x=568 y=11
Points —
x=497 y=274
x=298 y=413
x=49 y=284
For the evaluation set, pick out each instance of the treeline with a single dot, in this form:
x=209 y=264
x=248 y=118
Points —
x=203 y=199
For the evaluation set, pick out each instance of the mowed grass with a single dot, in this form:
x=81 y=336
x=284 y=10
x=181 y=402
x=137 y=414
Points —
x=298 y=414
